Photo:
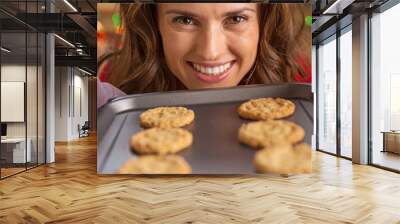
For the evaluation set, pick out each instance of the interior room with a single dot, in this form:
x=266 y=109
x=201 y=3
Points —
x=48 y=152
x=22 y=99
x=30 y=92
x=385 y=119
x=332 y=51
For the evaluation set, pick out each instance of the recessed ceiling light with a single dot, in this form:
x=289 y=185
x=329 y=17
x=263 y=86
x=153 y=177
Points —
x=86 y=72
x=70 y=5
x=5 y=50
x=64 y=40
x=337 y=7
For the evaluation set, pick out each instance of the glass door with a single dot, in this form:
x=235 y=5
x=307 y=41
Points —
x=327 y=95
x=385 y=89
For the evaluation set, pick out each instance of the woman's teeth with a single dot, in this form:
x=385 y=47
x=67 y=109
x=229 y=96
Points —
x=213 y=71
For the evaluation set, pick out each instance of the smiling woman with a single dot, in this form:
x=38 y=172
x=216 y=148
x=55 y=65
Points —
x=195 y=45
x=217 y=43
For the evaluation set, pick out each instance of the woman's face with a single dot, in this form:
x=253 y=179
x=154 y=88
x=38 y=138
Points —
x=209 y=45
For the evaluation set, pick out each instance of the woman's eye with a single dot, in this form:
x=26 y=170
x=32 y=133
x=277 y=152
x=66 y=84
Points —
x=236 y=19
x=185 y=20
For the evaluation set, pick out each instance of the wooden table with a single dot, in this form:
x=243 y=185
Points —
x=15 y=150
x=391 y=141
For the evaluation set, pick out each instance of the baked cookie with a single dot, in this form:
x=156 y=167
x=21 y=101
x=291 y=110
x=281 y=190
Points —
x=266 y=108
x=161 y=140
x=284 y=159
x=260 y=134
x=166 y=117
x=155 y=164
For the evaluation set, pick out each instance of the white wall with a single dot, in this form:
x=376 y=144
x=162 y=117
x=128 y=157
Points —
x=11 y=73
x=61 y=103
x=16 y=72
x=12 y=101
x=33 y=127
x=81 y=84
x=70 y=83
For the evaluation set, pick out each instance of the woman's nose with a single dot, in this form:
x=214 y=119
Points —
x=210 y=44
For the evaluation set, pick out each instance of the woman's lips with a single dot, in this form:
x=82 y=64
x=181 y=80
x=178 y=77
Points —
x=211 y=73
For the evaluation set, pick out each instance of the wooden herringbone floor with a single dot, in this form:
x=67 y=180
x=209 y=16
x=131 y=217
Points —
x=70 y=191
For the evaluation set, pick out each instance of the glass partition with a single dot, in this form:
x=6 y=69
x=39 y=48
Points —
x=22 y=89
x=385 y=89
x=41 y=96
x=327 y=95
x=31 y=99
x=346 y=93
x=14 y=151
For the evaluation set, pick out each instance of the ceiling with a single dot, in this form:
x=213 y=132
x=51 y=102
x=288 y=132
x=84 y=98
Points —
x=18 y=17
x=79 y=28
x=332 y=15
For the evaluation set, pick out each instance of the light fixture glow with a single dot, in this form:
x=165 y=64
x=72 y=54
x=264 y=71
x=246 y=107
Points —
x=70 y=5
x=86 y=72
x=65 y=41
x=5 y=50
x=337 y=7
x=331 y=7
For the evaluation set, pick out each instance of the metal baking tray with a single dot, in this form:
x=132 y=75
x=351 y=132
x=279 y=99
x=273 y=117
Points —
x=215 y=149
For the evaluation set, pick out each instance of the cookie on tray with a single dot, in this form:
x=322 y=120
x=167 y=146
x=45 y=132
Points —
x=156 y=164
x=166 y=117
x=259 y=134
x=284 y=159
x=161 y=140
x=266 y=108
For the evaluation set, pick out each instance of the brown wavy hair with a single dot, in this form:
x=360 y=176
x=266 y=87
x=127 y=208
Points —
x=140 y=65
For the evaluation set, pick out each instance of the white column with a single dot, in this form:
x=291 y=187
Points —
x=50 y=99
x=314 y=91
x=50 y=92
x=360 y=90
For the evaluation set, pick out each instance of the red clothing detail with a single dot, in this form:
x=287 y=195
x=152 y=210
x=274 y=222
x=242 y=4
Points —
x=307 y=70
x=104 y=72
